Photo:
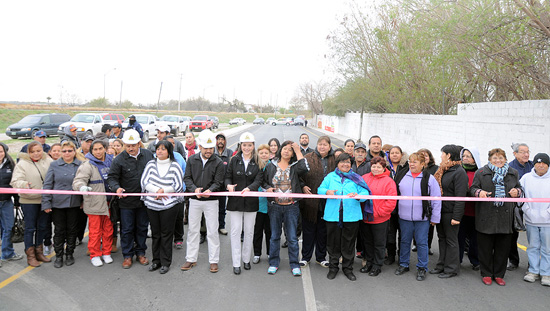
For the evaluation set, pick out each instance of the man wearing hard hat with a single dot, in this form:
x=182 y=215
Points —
x=204 y=174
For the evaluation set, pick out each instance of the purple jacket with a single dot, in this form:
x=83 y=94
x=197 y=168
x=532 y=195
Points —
x=412 y=210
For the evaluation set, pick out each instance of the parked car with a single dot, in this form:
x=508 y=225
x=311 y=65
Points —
x=149 y=123
x=177 y=124
x=33 y=123
x=270 y=120
x=238 y=121
x=117 y=117
x=258 y=121
x=300 y=121
x=283 y=121
x=200 y=122
x=215 y=121
x=86 y=123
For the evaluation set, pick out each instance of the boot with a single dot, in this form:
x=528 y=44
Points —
x=69 y=260
x=31 y=257
x=114 y=249
x=58 y=261
x=39 y=250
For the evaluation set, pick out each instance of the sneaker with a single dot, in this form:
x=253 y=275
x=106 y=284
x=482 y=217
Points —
x=323 y=263
x=285 y=244
x=96 y=261
x=359 y=255
x=421 y=274
x=303 y=263
x=223 y=231
x=272 y=270
x=15 y=257
x=48 y=249
x=107 y=258
x=179 y=245
x=297 y=272
x=545 y=281
x=256 y=259
x=414 y=248
x=531 y=277
x=401 y=269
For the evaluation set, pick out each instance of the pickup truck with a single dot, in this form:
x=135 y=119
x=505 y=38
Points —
x=86 y=123
x=177 y=124
x=148 y=122
x=200 y=122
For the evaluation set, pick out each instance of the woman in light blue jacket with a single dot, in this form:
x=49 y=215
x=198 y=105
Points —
x=343 y=215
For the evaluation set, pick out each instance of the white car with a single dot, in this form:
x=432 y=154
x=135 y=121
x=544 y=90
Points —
x=177 y=124
x=148 y=122
x=283 y=121
x=86 y=124
x=238 y=121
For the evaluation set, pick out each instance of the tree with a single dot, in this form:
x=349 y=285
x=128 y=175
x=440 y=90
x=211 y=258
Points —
x=48 y=98
x=99 y=102
x=312 y=95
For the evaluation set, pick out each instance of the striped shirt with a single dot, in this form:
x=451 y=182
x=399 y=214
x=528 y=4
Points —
x=152 y=180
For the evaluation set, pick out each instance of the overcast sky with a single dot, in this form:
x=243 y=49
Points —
x=256 y=51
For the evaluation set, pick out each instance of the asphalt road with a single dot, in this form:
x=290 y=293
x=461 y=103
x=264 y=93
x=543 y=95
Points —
x=84 y=287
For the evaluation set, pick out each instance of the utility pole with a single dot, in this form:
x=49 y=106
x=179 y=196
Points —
x=179 y=95
x=120 y=97
x=158 y=102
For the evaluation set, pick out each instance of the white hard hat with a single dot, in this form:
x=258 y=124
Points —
x=131 y=137
x=247 y=137
x=207 y=139
x=164 y=128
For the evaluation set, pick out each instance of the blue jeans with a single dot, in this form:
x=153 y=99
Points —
x=419 y=230
x=36 y=224
x=538 y=251
x=133 y=226
x=289 y=214
x=6 y=224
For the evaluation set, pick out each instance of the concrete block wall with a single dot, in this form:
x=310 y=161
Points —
x=483 y=125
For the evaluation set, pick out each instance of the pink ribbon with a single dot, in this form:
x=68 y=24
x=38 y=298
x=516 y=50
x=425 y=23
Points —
x=275 y=194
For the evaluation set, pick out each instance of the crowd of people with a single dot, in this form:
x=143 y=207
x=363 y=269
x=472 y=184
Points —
x=334 y=230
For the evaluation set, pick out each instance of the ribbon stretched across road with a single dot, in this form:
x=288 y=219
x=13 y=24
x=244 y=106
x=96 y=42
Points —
x=275 y=194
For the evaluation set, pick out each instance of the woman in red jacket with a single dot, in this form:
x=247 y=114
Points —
x=374 y=232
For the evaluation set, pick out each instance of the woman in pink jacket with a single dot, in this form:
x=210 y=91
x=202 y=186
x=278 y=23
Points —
x=374 y=233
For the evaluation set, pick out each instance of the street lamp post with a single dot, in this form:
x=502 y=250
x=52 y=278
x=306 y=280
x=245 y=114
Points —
x=104 y=77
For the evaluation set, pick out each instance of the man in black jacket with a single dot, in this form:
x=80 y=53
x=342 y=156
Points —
x=375 y=148
x=125 y=177
x=225 y=155
x=204 y=174
x=304 y=144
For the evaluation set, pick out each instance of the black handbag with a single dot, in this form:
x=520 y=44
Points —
x=518 y=219
x=18 y=230
x=114 y=209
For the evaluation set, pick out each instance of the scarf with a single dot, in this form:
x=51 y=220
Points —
x=498 y=180
x=442 y=169
x=469 y=167
x=366 y=207
x=191 y=148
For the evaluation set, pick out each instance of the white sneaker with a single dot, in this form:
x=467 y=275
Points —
x=303 y=263
x=545 y=280
x=531 y=277
x=96 y=261
x=107 y=258
x=48 y=249
x=323 y=263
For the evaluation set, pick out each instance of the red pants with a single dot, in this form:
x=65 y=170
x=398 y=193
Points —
x=100 y=233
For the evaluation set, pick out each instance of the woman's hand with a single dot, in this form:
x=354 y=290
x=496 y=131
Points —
x=207 y=191
x=484 y=194
x=454 y=222
x=231 y=188
x=270 y=190
x=245 y=190
x=514 y=193
x=331 y=192
x=159 y=197
x=306 y=190
x=351 y=195
x=49 y=210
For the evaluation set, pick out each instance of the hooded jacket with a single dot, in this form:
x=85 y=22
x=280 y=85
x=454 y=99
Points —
x=26 y=171
x=93 y=173
x=381 y=184
x=60 y=176
x=70 y=137
x=313 y=179
x=412 y=210
x=470 y=206
x=535 y=186
x=6 y=173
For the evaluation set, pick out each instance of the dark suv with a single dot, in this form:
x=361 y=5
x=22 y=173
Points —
x=47 y=122
x=215 y=121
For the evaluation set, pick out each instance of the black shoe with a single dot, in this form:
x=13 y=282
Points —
x=446 y=275
x=285 y=244
x=69 y=260
x=332 y=274
x=247 y=266
x=421 y=274
x=58 y=261
x=154 y=266
x=366 y=269
x=164 y=269
x=475 y=267
x=414 y=248
x=511 y=267
x=350 y=276
x=237 y=270
x=401 y=269
x=430 y=252
x=389 y=261
x=436 y=271
x=375 y=272
x=203 y=238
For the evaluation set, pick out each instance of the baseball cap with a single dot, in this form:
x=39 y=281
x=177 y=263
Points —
x=164 y=128
x=40 y=134
x=360 y=145
x=131 y=137
x=118 y=125
x=88 y=137
x=72 y=128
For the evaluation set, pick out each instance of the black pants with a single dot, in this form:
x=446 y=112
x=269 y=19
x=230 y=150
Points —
x=221 y=212
x=162 y=229
x=82 y=222
x=65 y=221
x=341 y=243
x=374 y=241
x=314 y=237
x=178 y=230
x=449 y=259
x=392 y=240
x=48 y=236
x=468 y=231
x=514 y=254
x=261 y=227
x=493 y=253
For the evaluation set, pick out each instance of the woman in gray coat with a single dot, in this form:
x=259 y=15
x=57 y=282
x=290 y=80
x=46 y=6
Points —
x=64 y=208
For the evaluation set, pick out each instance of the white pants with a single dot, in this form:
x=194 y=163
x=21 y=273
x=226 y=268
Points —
x=210 y=210
x=237 y=220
